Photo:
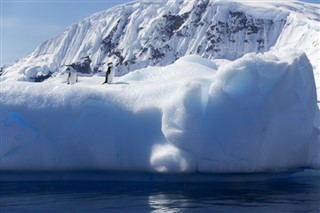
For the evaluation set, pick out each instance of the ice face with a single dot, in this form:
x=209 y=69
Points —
x=256 y=114
x=259 y=116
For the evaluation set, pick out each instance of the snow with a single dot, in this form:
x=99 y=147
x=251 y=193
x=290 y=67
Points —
x=132 y=31
x=255 y=114
x=238 y=106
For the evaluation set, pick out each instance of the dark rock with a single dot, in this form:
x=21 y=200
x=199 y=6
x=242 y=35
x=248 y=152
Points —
x=84 y=65
x=41 y=78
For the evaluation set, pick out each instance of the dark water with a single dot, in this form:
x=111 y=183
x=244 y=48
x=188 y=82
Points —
x=297 y=195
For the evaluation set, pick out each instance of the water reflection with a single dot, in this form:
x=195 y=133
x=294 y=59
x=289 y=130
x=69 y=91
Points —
x=302 y=195
x=247 y=197
x=168 y=202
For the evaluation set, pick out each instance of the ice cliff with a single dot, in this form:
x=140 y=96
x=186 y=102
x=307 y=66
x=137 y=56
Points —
x=256 y=114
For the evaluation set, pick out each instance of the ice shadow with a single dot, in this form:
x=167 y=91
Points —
x=121 y=83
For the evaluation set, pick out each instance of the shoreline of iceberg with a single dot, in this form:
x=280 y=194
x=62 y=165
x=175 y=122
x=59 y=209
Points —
x=113 y=176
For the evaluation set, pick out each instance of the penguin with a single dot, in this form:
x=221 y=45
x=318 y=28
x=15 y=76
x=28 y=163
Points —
x=72 y=76
x=109 y=74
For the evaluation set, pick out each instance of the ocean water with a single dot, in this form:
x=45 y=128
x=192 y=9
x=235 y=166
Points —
x=289 y=195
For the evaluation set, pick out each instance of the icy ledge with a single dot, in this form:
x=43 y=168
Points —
x=254 y=115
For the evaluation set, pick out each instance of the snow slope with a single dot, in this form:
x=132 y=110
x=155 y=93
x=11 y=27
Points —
x=143 y=33
x=256 y=114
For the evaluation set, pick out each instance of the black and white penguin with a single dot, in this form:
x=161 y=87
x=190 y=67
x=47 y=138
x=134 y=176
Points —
x=72 y=76
x=109 y=74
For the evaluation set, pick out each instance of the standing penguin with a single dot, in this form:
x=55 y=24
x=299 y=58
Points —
x=72 y=76
x=109 y=74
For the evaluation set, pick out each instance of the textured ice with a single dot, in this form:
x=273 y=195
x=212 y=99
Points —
x=256 y=114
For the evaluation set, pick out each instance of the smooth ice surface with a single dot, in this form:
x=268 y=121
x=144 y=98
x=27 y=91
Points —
x=256 y=114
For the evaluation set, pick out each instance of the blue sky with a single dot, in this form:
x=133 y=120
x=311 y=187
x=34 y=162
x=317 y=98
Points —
x=25 y=24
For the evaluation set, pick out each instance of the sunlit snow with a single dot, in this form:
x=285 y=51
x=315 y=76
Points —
x=256 y=114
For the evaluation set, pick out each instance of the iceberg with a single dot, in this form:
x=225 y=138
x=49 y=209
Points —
x=257 y=114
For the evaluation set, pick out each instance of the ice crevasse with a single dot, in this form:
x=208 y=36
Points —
x=256 y=114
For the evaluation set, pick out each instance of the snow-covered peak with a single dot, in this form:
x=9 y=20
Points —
x=231 y=90
x=143 y=33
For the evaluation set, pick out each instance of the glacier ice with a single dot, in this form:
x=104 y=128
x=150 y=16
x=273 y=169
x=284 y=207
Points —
x=256 y=114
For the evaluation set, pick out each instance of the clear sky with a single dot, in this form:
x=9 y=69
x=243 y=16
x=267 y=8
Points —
x=25 y=24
